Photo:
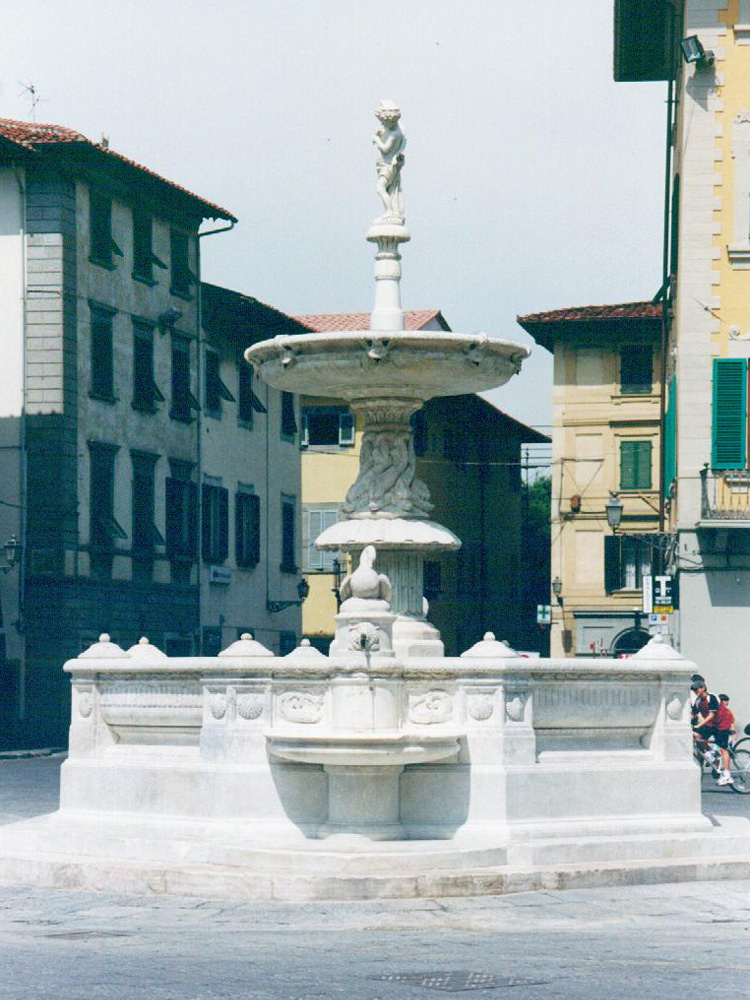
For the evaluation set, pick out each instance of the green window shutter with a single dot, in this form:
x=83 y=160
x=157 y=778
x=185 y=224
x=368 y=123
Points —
x=729 y=431
x=670 y=438
x=612 y=563
x=635 y=465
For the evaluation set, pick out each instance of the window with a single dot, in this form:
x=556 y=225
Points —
x=102 y=369
x=181 y=518
x=729 y=430
x=627 y=559
x=183 y=401
x=432 y=583
x=215 y=388
x=247 y=402
x=331 y=426
x=246 y=527
x=635 y=465
x=100 y=230
x=316 y=522
x=103 y=528
x=143 y=252
x=145 y=535
x=670 y=438
x=215 y=521
x=288 y=562
x=182 y=276
x=287 y=642
x=145 y=390
x=288 y=419
x=636 y=369
x=211 y=640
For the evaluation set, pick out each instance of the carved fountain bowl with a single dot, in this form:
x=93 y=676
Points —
x=390 y=749
x=362 y=364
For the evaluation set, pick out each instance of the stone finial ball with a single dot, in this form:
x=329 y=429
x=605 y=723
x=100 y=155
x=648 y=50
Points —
x=104 y=637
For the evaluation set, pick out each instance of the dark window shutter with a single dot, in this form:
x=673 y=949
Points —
x=612 y=570
x=729 y=436
x=223 y=500
x=254 y=517
x=206 y=521
x=192 y=519
x=172 y=518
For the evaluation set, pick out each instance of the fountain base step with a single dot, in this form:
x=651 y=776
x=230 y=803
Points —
x=79 y=851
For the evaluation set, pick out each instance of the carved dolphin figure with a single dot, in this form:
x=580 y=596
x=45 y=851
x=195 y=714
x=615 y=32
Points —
x=365 y=582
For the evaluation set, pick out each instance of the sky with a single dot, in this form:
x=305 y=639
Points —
x=532 y=180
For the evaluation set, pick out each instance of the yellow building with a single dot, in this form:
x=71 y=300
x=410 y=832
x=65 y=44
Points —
x=469 y=455
x=605 y=439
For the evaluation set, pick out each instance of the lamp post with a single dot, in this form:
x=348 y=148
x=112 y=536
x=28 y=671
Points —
x=303 y=589
x=613 y=507
x=557 y=590
x=12 y=550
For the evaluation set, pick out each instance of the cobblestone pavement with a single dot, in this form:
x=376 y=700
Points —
x=673 y=942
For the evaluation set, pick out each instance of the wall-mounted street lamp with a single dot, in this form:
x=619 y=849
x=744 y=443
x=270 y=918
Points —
x=693 y=52
x=557 y=590
x=303 y=589
x=613 y=507
x=12 y=550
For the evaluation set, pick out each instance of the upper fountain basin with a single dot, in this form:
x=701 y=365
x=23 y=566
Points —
x=362 y=364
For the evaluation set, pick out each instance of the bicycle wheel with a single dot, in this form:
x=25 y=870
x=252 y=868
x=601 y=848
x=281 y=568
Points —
x=739 y=768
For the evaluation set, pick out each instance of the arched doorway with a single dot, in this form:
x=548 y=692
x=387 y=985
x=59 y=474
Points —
x=630 y=642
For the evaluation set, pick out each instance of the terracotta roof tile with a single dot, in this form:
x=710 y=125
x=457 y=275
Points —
x=588 y=314
x=31 y=135
x=416 y=319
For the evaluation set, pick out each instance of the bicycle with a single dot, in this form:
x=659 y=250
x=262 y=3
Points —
x=739 y=763
x=745 y=739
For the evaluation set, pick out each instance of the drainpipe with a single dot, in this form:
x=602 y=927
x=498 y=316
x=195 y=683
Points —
x=20 y=179
x=199 y=416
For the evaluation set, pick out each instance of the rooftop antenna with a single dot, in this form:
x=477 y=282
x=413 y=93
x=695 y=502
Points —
x=34 y=97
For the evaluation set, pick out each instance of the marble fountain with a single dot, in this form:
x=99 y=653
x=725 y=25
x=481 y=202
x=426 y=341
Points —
x=385 y=768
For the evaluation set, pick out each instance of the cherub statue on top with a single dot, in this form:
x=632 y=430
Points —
x=390 y=142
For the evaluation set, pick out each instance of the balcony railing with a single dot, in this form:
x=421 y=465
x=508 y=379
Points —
x=725 y=496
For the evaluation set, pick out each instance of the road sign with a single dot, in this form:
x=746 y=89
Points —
x=543 y=614
x=659 y=594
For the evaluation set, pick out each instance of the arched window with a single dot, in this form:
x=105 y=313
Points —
x=630 y=642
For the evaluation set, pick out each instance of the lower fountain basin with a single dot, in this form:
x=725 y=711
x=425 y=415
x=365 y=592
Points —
x=376 y=749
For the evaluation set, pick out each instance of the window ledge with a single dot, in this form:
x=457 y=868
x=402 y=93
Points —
x=215 y=414
x=145 y=407
x=739 y=255
x=288 y=569
x=144 y=279
x=185 y=296
x=247 y=424
x=102 y=398
x=108 y=265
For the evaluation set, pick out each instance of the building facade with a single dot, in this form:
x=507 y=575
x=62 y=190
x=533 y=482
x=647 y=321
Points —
x=112 y=498
x=707 y=475
x=469 y=455
x=605 y=440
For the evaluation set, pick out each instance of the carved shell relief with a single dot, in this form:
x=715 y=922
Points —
x=480 y=706
x=250 y=706
x=674 y=707
x=218 y=705
x=515 y=707
x=301 y=706
x=431 y=707
x=85 y=704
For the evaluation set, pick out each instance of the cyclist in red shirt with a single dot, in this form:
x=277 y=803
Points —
x=706 y=710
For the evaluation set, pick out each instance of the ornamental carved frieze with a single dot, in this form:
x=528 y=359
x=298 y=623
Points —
x=301 y=706
x=140 y=695
x=218 y=705
x=431 y=707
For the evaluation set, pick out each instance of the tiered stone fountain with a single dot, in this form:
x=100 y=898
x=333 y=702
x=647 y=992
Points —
x=384 y=768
